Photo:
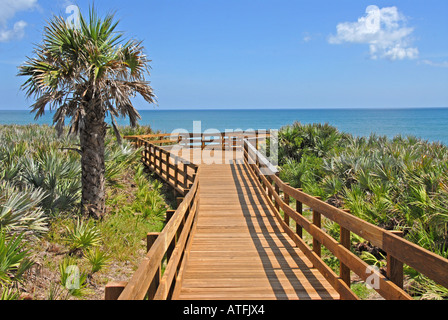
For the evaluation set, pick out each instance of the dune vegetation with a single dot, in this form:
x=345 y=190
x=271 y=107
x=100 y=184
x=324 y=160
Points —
x=397 y=184
x=44 y=238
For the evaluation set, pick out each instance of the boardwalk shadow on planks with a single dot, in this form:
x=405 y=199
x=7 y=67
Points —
x=281 y=247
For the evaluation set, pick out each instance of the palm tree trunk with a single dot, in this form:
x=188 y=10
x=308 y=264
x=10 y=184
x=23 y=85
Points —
x=92 y=136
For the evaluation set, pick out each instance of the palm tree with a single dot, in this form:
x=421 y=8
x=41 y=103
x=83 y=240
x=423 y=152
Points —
x=86 y=74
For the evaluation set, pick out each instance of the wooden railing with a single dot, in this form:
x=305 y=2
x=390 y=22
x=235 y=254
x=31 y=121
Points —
x=174 y=170
x=227 y=140
x=160 y=271
x=224 y=140
x=399 y=251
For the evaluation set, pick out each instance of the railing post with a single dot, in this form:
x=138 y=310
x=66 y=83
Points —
x=185 y=173
x=169 y=215
x=176 y=172
x=167 y=164
x=256 y=140
x=180 y=199
x=317 y=221
x=151 y=237
x=269 y=189
x=299 y=210
x=277 y=191
x=152 y=157
x=395 y=266
x=150 y=240
x=160 y=162
x=286 y=200
x=344 y=271
x=114 y=289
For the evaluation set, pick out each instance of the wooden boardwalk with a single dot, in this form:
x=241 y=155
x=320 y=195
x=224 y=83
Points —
x=231 y=237
x=238 y=250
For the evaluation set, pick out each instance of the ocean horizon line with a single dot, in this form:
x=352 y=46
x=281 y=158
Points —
x=265 y=109
x=428 y=123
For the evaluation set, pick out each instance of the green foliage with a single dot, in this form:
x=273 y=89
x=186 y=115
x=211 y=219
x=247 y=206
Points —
x=42 y=173
x=82 y=236
x=133 y=217
x=14 y=259
x=149 y=202
x=40 y=195
x=97 y=258
x=20 y=208
x=71 y=276
x=9 y=293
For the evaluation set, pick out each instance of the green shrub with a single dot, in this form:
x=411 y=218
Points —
x=14 y=258
x=20 y=209
x=97 y=258
x=82 y=236
x=72 y=278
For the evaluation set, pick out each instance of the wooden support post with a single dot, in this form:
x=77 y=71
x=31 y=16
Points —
x=152 y=158
x=160 y=162
x=223 y=141
x=145 y=153
x=114 y=289
x=185 y=174
x=167 y=164
x=277 y=191
x=286 y=200
x=150 y=240
x=317 y=221
x=179 y=200
x=176 y=172
x=256 y=140
x=344 y=271
x=151 y=237
x=394 y=266
x=269 y=190
x=299 y=210
x=169 y=215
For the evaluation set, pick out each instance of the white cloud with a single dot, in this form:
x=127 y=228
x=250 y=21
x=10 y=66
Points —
x=443 y=64
x=8 y=9
x=384 y=30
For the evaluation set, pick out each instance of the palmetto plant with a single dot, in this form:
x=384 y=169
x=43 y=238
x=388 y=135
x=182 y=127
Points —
x=97 y=258
x=20 y=209
x=83 y=236
x=72 y=278
x=87 y=74
x=14 y=260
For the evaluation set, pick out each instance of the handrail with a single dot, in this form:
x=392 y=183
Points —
x=171 y=245
x=398 y=250
x=157 y=159
x=226 y=139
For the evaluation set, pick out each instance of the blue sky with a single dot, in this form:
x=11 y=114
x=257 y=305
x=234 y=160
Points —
x=262 y=53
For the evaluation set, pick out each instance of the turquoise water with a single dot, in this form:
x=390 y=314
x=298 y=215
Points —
x=428 y=124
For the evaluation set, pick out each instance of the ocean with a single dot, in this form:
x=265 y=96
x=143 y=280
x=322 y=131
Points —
x=428 y=124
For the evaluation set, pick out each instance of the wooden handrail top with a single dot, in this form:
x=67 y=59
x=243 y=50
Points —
x=149 y=136
x=240 y=134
